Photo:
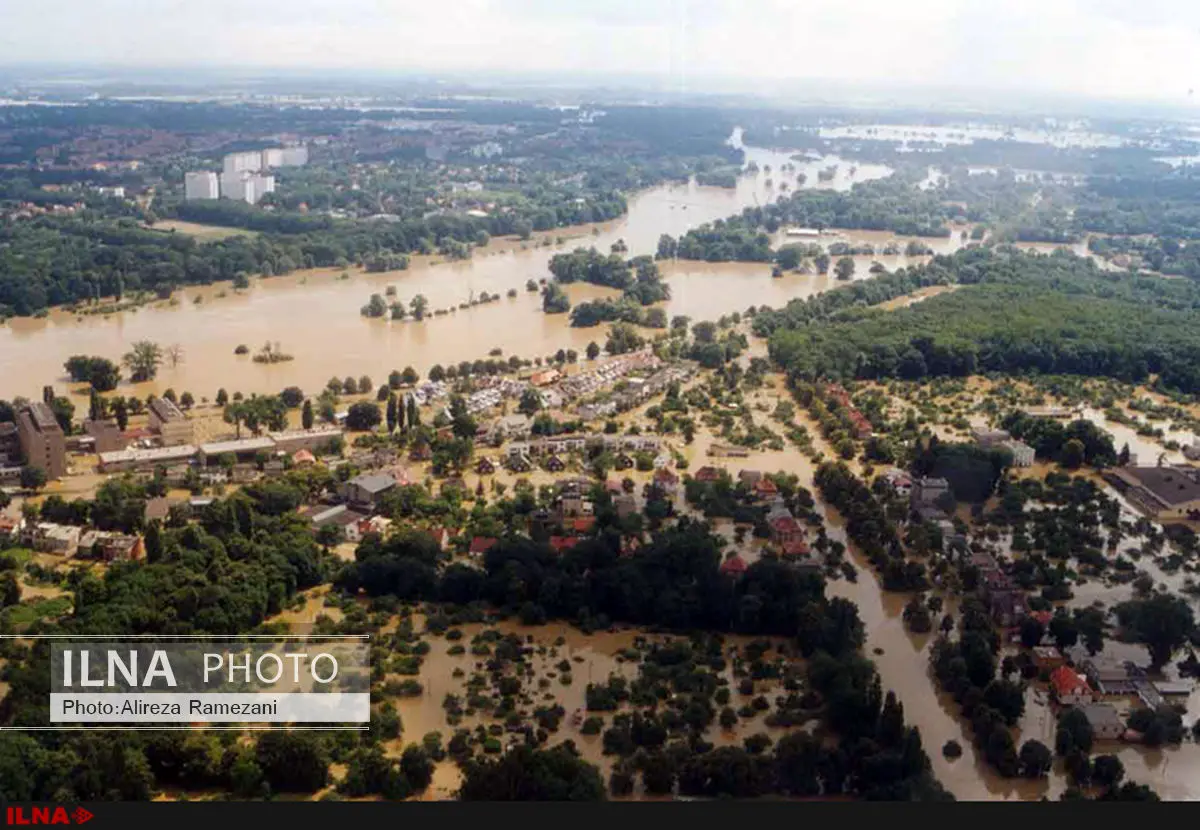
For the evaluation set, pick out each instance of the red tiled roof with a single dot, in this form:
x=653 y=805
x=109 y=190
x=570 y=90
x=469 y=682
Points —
x=785 y=524
x=481 y=544
x=1065 y=681
x=797 y=547
x=1044 y=617
x=563 y=543
x=666 y=475
x=765 y=485
x=734 y=565
x=583 y=524
x=708 y=474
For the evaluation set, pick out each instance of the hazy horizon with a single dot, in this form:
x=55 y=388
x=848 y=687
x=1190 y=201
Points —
x=1095 y=49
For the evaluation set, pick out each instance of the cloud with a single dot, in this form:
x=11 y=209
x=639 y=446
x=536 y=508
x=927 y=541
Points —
x=1099 y=48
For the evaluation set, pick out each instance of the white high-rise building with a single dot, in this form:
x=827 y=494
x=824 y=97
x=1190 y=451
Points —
x=296 y=156
x=201 y=184
x=250 y=162
x=246 y=187
x=237 y=186
x=272 y=157
x=263 y=184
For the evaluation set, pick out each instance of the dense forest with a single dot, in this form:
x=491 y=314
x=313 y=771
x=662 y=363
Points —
x=1015 y=313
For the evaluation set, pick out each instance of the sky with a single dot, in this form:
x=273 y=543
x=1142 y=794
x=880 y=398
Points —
x=1119 y=49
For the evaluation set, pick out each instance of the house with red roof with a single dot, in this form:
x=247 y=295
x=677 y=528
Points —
x=786 y=529
x=707 y=474
x=581 y=524
x=1070 y=688
x=666 y=481
x=482 y=544
x=796 y=549
x=303 y=458
x=734 y=565
x=765 y=488
x=561 y=544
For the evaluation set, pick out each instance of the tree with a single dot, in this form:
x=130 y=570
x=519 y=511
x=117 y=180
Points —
x=120 y=413
x=395 y=379
x=1035 y=758
x=1107 y=771
x=293 y=761
x=33 y=478
x=821 y=263
x=1073 y=454
x=363 y=415
x=528 y=774
x=1074 y=733
x=102 y=374
x=1162 y=623
x=593 y=350
x=143 y=360
x=186 y=400
x=409 y=375
x=531 y=402
x=1123 y=456
x=10 y=590
x=419 y=306
x=555 y=299
x=437 y=373
x=306 y=415
x=844 y=269
x=292 y=396
x=364 y=385
x=375 y=307
x=392 y=409
x=1031 y=632
x=222 y=397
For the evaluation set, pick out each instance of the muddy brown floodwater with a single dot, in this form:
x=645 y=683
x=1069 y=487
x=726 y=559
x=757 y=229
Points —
x=314 y=315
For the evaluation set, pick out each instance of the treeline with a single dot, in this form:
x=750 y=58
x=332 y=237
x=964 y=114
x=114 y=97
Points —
x=674 y=582
x=1016 y=313
x=892 y=204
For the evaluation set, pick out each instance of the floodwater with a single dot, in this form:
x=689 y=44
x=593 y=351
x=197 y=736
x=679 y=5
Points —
x=1070 y=136
x=314 y=315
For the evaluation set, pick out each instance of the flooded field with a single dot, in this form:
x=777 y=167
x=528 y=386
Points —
x=1075 y=135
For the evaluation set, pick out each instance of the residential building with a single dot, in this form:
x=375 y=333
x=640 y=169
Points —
x=707 y=474
x=899 y=481
x=111 y=547
x=481 y=545
x=666 y=481
x=47 y=537
x=484 y=466
x=1070 y=688
x=157 y=509
x=201 y=184
x=42 y=441
x=1047 y=658
x=927 y=491
x=1105 y=721
x=990 y=437
x=106 y=435
x=249 y=161
x=303 y=458
x=1023 y=454
x=1109 y=677
x=173 y=427
x=366 y=490
x=1166 y=493
x=734 y=566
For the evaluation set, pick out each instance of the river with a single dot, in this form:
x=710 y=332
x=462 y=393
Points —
x=314 y=315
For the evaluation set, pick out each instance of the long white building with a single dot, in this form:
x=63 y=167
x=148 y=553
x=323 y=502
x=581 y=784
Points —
x=201 y=184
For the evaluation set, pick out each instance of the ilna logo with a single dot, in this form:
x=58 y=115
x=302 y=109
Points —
x=46 y=815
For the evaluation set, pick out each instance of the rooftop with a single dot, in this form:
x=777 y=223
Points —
x=374 y=482
x=1168 y=485
x=183 y=451
x=165 y=410
x=238 y=445
x=42 y=416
